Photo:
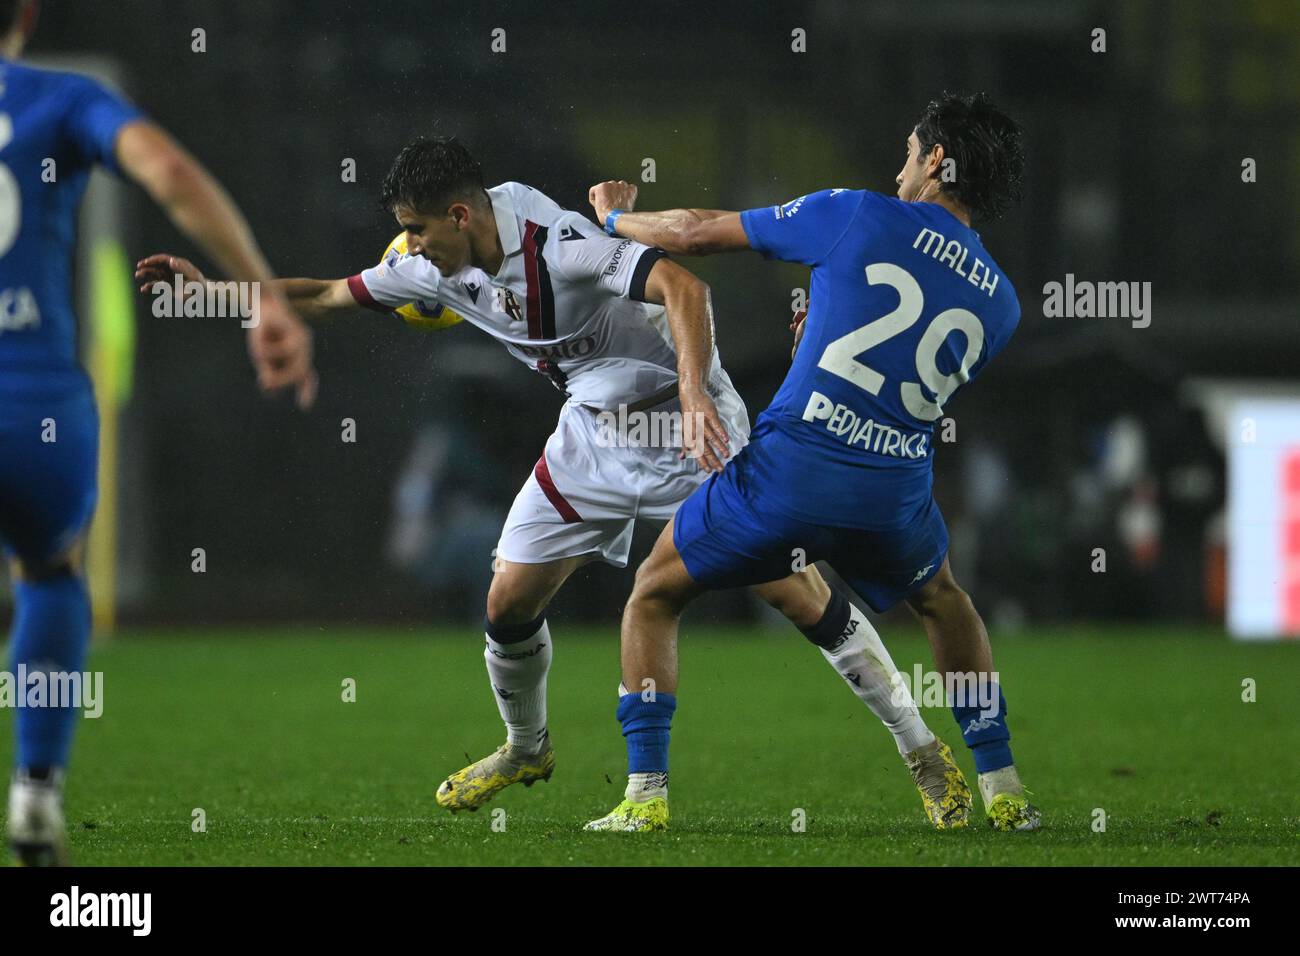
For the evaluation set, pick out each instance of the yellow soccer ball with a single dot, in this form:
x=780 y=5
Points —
x=423 y=315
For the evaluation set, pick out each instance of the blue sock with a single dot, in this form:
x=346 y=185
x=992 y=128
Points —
x=985 y=731
x=51 y=629
x=645 y=725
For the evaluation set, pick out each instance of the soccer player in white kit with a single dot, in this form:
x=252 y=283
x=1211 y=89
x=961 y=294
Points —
x=626 y=334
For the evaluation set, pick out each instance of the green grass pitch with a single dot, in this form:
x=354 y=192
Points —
x=1147 y=726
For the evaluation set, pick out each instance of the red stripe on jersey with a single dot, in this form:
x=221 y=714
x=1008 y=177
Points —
x=533 y=301
x=543 y=475
x=357 y=286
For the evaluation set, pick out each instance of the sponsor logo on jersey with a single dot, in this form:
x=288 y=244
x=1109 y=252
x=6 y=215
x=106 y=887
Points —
x=569 y=349
x=617 y=259
x=568 y=234
x=848 y=426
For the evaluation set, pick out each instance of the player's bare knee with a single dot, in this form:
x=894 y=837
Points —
x=812 y=595
x=649 y=576
x=938 y=596
x=801 y=598
x=657 y=588
x=509 y=605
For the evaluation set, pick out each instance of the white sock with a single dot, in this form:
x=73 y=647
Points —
x=646 y=786
x=1002 y=780
x=518 y=675
x=869 y=671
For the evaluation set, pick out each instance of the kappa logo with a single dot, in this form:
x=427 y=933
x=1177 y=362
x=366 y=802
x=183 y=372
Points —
x=920 y=574
x=983 y=723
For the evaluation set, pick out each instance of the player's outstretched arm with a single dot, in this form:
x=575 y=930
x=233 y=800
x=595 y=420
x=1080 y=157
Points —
x=313 y=298
x=193 y=200
x=318 y=298
x=687 y=232
x=280 y=343
x=686 y=301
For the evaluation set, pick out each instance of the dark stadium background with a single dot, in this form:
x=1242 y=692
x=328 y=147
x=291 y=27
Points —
x=1134 y=175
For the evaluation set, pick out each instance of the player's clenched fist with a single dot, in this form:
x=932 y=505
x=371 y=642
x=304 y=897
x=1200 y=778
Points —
x=607 y=196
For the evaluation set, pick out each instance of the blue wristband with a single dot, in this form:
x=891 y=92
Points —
x=611 y=219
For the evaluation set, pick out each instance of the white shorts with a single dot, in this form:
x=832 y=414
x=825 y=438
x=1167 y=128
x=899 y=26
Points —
x=589 y=488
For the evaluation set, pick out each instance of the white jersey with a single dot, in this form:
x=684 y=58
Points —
x=567 y=301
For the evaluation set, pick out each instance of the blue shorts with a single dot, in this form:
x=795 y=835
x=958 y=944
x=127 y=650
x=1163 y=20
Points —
x=47 y=487
x=726 y=539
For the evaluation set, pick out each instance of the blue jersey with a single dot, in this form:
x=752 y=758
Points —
x=905 y=306
x=53 y=128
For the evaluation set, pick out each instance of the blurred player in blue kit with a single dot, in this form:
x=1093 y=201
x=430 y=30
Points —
x=905 y=307
x=54 y=128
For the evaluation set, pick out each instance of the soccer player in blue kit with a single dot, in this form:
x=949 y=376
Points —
x=65 y=124
x=905 y=306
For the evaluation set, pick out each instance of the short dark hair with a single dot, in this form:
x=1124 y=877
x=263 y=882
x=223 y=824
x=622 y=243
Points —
x=431 y=173
x=9 y=14
x=986 y=146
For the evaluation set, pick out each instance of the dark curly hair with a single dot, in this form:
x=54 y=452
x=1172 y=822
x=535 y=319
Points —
x=431 y=173
x=986 y=146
